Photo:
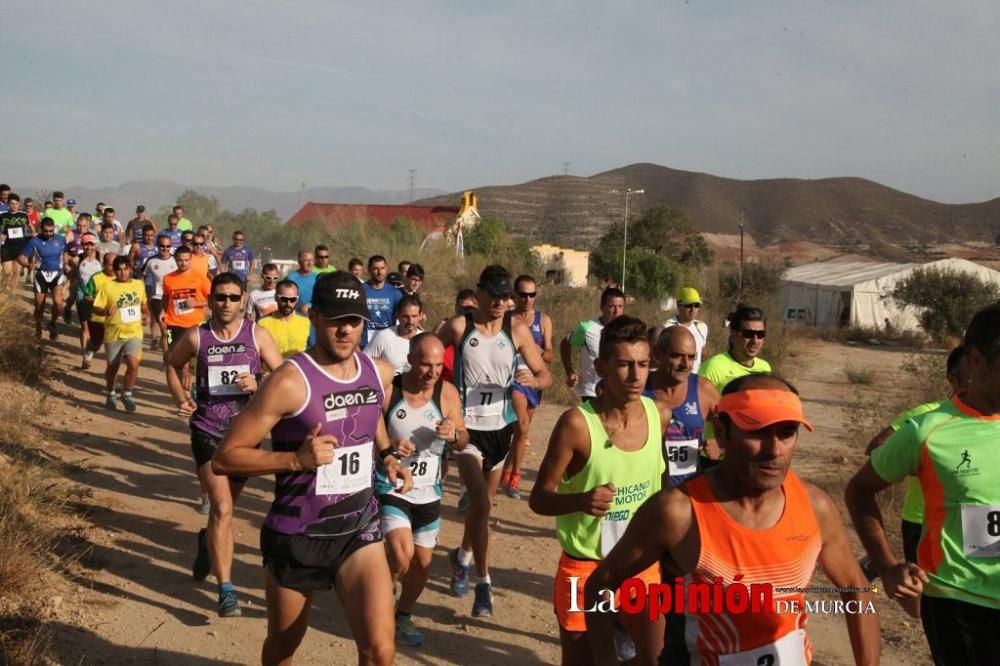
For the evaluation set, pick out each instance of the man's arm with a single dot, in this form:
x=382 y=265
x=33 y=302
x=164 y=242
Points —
x=390 y=463
x=548 y=351
x=841 y=567
x=566 y=356
x=452 y=330
x=451 y=404
x=539 y=378
x=570 y=439
x=879 y=439
x=708 y=397
x=268 y=348
x=175 y=365
x=29 y=248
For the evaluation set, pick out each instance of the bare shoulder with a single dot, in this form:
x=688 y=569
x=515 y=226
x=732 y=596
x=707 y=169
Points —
x=571 y=427
x=822 y=504
x=385 y=371
x=450 y=394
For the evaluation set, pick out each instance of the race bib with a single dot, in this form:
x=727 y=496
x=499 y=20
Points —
x=50 y=276
x=130 y=315
x=350 y=471
x=611 y=533
x=789 y=650
x=981 y=530
x=484 y=401
x=222 y=379
x=15 y=232
x=238 y=265
x=181 y=306
x=424 y=470
x=157 y=290
x=682 y=456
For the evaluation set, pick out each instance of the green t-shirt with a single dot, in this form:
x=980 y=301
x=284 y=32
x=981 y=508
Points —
x=723 y=368
x=913 y=501
x=953 y=452
x=320 y=271
x=184 y=224
x=62 y=217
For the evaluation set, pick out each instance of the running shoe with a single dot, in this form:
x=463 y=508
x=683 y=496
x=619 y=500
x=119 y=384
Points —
x=53 y=333
x=86 y=363
x=229 y=604
x=483 y=605
x=623 y=644
x=408 y=633
x=463 y=502
x=110 y=402
x=459 y=575
x=128 y=402
x=203 y=565
x=513 y=489
x=205 y=507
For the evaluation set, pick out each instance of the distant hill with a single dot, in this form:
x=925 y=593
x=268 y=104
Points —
x=156 y=193
x=850 y=212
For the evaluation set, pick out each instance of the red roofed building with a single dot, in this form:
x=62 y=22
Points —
x=426 y=218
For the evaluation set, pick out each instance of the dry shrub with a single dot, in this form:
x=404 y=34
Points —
x=856 y=375
x=21 y=357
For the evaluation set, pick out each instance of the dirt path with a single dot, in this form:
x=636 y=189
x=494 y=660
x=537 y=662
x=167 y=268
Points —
x=135 y=601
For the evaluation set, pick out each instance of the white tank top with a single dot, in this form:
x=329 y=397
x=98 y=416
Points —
x=417 y=424
x=484 y=374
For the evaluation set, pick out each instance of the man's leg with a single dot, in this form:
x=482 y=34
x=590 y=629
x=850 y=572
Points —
x=287 y=621
x=58 y=295
x=111 y=371
x=39 y=310
x=365 y=590
x=131 y=372
x=415 y=579
x=399 y=548
x=576 y=650
x=481 y=487
x=512 y=466
x=222 y=493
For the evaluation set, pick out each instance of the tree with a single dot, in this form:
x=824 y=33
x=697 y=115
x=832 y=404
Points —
x=946 y=298
x=488 y=237
x=669 y=233
x=761 y=283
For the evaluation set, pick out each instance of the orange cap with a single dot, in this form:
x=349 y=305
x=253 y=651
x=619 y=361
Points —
x=754 y=409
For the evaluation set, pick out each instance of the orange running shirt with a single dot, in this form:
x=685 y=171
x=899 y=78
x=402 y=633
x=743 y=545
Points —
x=199 y=264
x=783 y=555
x=179 y=291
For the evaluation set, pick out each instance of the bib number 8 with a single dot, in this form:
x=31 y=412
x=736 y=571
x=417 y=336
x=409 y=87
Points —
x=765 y=660
x=228 y=377
x=993 y=523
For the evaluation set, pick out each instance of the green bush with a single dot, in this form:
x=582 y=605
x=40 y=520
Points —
x=945 y=299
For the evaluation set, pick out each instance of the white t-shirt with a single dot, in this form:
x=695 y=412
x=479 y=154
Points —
x=261 y=303
x=587 y=334
x=158 y=268
x=388 y=346
x=699 y=330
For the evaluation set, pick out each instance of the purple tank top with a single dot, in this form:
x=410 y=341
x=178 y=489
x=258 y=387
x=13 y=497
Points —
x=220 y=362
x=337 y=498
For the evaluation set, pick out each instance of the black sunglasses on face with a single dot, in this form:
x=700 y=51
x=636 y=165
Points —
x=752 y=333
x=232 y=298
x=165 y=247
x=691 y=305
x=269 y=278
x=288 y=299
x=322 y=256
x=527 y=294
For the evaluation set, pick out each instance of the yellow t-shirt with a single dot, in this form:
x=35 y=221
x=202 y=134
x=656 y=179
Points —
x=291 y=336
x=128 y=297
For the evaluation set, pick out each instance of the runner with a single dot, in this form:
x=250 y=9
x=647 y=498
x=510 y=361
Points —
x=426 y=413
x=747 y=328
x=383 y=299
x=214 y=251
x=155 y=269
x=183 y=223
x=597 y=448
x=323 y=265
x=199 y=256
x=261 y=302
x=33 y=216
x=686 y=402
x=122 y=303
x=95 y=322
x=403 y=267
x=526 y=400
x=238 y=257
x=587 y=334
x=688 y=307
x=305 y=280
x=61 y=218
x=50 y=277
x=748 y=519
x=71 y=207
x=106 y=240
x=230 y=353
x=87 y=267
x=289 y=329
x=413 y=280
x=185 y=296
x=173 y=232
x=108 y=217
x=486 y=343
x=392 y=344
x=135 y=226
x=356 y=267
x=4 y=194
x=954 y=586
x=16 y=231
x=140 y=252
x=323 y=409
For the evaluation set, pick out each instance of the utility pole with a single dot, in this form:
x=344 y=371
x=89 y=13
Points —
x=743 y=214
x=628 y=193
x=413 y=175
x=565 y=168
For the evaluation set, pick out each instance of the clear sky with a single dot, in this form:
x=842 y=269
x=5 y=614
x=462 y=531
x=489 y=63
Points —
x=274 y=94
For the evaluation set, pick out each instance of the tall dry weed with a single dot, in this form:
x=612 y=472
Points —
x=21 y=358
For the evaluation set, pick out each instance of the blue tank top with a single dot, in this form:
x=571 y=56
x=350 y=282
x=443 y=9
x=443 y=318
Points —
x=682 y=441
x=144 y=254
x=338 y=498
x=174 y=235
x=220 y=362
x=536 y=331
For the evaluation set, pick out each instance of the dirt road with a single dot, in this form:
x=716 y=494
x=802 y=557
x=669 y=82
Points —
x=135 y=602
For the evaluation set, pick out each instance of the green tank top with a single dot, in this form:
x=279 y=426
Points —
x=636 y=475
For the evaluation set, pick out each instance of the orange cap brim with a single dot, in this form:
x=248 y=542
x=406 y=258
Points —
x=759 y=408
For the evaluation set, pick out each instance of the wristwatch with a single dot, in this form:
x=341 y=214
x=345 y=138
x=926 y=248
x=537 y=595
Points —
x=389 y=451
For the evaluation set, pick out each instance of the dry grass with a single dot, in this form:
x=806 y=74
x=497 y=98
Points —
x=21 y=358
x=856 y=375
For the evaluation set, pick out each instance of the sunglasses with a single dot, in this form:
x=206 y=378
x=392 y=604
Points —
x=288 y=299
x=322 y=256
x=232 y=298
x=691 y=305
x=90 y=244
x=527 y=294
x=240 y=240
x=751 y=333
x=269 y=278
x=165 y=247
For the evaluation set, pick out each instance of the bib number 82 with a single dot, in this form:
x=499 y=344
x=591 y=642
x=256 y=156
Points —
x=227 y=377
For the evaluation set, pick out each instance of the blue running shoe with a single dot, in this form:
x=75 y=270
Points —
x=459 y=575
x=408 y=633
x=483 y=605
x=229 y=605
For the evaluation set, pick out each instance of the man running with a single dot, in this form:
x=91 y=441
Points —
x=748 y=521
x=261 y=302
x=199 y=255
x=747 y=328
x=392 y=344
x=139 y=253
x=122 y=303
x=106 y=240
x=525 y=400
x=688 y=307
x=686 y=402
x=954 y=586
x=94 y=322
x=230 y=353
x=49 y=251
x=427 y=413
x=238 y=257
x=323 y=409
x=135 y=226
x=183 y=223
x=173 y=232
x=108 y=217
x=88 y=265
x=383 y=299
x=289 y=329
x=603 y=462
x=587 y=335
x=15 y=229
x=304 y=279
x=185 y=296
x=155 y=269
x=486 y=344
x=60 y=216
x=356 y=267
x=323 y=265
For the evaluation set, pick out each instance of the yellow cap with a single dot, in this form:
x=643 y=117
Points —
x=688 y=295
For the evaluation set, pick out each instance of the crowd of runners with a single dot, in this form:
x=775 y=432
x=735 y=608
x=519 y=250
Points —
x=674 y=470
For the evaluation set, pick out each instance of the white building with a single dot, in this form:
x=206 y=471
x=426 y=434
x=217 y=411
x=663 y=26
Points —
x=854 y=294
